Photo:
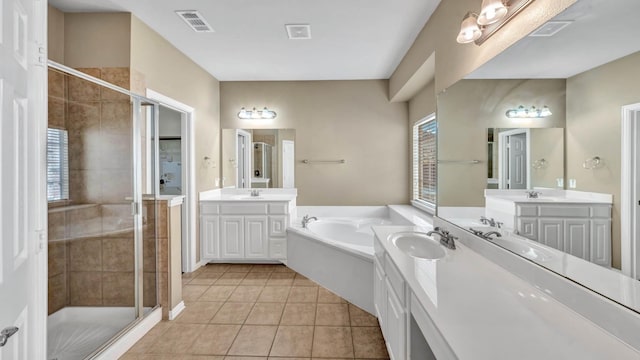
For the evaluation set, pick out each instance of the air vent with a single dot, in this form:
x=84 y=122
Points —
x=194 y=20
x=550 y=28
x=299 y=32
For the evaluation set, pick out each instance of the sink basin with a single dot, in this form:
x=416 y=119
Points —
x=418 y=245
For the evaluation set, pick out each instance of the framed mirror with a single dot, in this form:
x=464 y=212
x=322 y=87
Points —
x=560 y=188
x=258 y=158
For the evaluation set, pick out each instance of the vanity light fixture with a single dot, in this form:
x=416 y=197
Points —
x=494 y=14
x=528 y=113
x=264 y=114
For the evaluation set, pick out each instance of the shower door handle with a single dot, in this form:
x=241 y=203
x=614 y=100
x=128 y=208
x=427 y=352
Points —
x=6 y=334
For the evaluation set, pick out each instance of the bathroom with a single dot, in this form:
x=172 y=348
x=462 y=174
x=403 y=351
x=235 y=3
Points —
x=354 y=149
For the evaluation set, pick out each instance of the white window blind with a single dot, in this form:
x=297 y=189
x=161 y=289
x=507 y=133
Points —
x=425 y=163
x=57 y=164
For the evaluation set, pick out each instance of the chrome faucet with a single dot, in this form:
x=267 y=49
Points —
x=306 y=220
x=491 y=222
x=533 y=194
x=488 y=234
x=254 y=192
x=446 y=238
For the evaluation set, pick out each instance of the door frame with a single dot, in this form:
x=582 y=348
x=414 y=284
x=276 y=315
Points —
x=293 y=145
x=630 y=190
x=502 y=159
x=247 y=156
x=189 y=249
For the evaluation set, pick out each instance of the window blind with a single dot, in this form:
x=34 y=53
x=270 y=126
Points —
x=57 y=164
x=425 y=163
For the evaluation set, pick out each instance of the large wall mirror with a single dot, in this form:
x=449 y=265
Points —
x=581 y=70
x=258 y=158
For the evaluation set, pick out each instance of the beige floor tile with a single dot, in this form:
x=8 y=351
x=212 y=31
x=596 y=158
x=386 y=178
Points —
x=199 y=312
x=289 y=358
x=282 y=269
x=326 y=296
x=281 y=279
x=245 y=294
x=265 y=314
x=177 y=340
x=231 y=278
x=198 y=357
x=246 y=358
x=240 y=268
x=274 y=294
x=368 y=343
x=202 y=281
x=360 y=317
x=329 y=341
x=299 y=314
x=332 y=314
x=303 y=294
x=256 y=278
x=232 y=313
x=300 y=280
x=215 y=268
x=253 y=340
x=193 y=292
x=293 y=341
x=217 y=293
x=264 y=268
x=215 y=339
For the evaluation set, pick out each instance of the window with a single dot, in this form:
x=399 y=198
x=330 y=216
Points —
x=425 y=164
x=57 y=164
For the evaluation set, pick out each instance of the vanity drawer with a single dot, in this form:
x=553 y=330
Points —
x=209 y=209
x=526 y=210
x=278 y=249
x=244 y=209
x=278 y=226
x=279 y=208
x=576 y=211
x=601 y=212
x=395 y=278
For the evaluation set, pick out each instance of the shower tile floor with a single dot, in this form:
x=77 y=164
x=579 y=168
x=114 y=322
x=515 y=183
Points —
x=254 y=312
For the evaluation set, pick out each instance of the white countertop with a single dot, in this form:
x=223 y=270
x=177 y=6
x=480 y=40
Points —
x=485 y=312
x=550 y=196
x=243 y=195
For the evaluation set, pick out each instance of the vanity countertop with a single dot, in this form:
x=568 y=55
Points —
x=549 y=196
x=485 y=312
x=244 y=195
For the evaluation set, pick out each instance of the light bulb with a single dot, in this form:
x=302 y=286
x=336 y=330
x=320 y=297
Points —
x=243 y=114
x=545 y=111
x=491 y=12
x=255 y=114
x=266 y=113
x=469 y=30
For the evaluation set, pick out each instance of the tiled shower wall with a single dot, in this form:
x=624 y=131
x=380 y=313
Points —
x=91 y=251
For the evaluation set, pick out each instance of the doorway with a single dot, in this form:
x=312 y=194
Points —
x=514 y=159
x=243 y=156
x=630 y=191
x=288 y=164
x=180 y=176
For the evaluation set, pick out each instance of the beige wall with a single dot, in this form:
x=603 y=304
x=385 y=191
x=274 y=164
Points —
x=97 y=39
x=466 y=110
x=351 y=120
x=547 y=144
x=454 y=61
x=55 y=34
x=594 y=101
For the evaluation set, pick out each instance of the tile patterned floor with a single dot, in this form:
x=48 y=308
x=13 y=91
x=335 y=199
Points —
x=260 y=312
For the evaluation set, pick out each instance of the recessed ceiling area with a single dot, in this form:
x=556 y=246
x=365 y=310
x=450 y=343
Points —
x=352 y=39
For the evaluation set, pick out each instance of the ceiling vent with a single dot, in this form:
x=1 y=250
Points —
x=550 y=28
x=194 y=20
x=299 y=32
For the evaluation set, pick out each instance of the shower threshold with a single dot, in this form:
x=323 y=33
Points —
x=73 y=333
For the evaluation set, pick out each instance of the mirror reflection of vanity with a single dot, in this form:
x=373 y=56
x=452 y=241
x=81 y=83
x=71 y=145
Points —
x=258 y=158
x=556 y=177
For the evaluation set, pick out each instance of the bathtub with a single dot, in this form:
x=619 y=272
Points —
x=336 y=251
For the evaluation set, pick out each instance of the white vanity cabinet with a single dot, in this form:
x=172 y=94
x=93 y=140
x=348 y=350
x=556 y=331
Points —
x=244 y=230
x=390 y=303
x=582 y=230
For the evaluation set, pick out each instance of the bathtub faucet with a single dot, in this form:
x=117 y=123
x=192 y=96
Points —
x=306 y=220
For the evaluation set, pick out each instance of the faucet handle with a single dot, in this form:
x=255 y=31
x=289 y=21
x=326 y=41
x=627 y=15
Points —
x=499 y=224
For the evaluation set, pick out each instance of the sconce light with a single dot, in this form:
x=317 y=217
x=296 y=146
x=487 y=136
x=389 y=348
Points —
x=264 y=114
x=494 y=14
x=528 y=113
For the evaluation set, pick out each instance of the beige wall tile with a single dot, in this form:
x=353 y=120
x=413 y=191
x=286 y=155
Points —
x=57 y=225
x=56 y=112
x=85 y=288
x=57 y=292
x=118 y=254
x=118 y=76
x=85 y=186
x=57 y=258
x=116 y=152
x=85 y=255
x=116 y=118
x=56 y=84
x=150 y=295
x=117 y=186
x=118 y=288
x=83 y=90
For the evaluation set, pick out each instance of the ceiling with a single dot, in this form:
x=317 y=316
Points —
x=351 y=39
x=601 y=31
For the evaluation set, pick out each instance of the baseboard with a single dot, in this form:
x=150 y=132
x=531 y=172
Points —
x=173 y=313
x=121 y=345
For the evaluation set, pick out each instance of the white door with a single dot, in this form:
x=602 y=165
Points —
x=23 y=123
x=231 y=237
x=288 y=164
x=518 y=161
x=209 y=236
x=256 y=240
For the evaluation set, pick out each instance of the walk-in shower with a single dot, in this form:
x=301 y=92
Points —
x=102 y=235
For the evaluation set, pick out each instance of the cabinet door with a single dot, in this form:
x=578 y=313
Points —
x=601 y=241
x=576 y=237
x=231 y=237
x=527 y=227
x=256 y=245
x=551 y=233
x=396 y=325
x=209 y=225
x=379 y=294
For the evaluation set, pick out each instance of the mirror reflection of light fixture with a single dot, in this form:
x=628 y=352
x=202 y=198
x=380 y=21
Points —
x=528 y=113
x=494 y=14
x=264 y=114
